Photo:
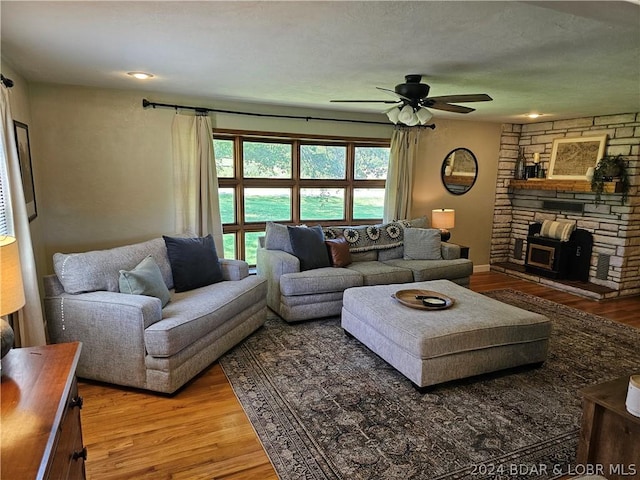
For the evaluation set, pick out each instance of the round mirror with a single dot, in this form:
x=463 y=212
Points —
x=459 y=171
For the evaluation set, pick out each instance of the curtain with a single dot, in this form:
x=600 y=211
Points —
x=30 y=321
x=195 y=179
x=399 y=186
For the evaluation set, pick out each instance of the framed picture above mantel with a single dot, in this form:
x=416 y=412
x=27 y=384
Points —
x=572 y=157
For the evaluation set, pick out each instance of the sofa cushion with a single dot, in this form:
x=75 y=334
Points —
x=100 y=269
x=378 y=273
x=435 y=269
x=339 y=253
x=276 y=237
x=391 y=253
x=192 y=315
x=422 y=244
x=194 y=262
x=145 y=279
x=308 y=245
x=320 y=280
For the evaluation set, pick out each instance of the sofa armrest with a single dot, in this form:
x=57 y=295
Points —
x=111 y=328
x=450 y=251
x=234 y=269
x=271 y=264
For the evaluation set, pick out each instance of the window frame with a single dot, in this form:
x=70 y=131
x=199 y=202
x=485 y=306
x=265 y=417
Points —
x=295 y=183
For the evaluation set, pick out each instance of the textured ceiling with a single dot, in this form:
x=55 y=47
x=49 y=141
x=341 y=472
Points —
x=565 y=59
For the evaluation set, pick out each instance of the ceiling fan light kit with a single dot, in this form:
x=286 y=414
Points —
x=412 y=107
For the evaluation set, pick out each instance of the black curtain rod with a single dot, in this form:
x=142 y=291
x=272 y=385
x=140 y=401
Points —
x=203 y=110
x=7 y=82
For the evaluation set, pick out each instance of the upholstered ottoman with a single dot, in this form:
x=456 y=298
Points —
x=475 y=335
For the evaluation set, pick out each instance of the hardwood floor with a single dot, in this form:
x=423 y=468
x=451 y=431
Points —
x=202 y=432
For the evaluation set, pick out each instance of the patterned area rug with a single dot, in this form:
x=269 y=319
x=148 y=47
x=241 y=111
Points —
x=326 y=407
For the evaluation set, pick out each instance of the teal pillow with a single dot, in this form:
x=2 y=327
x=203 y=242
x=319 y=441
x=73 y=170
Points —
x=145 y=279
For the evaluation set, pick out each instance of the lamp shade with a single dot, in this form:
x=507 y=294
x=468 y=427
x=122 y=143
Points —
x=11 y=289
x=393 y=114
x=408 y=116
x=443 y=218
x=424 y=115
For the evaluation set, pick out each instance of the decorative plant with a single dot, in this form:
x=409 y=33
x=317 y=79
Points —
x=607 y=170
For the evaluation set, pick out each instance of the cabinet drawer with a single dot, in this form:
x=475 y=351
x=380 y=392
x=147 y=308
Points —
x=67 y=461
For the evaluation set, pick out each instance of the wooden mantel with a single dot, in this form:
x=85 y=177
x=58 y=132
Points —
x=561 y=185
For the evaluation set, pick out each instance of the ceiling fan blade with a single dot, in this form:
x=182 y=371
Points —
x=365 y=101
x=472 y=97
x=449 y=108
x=393 y=92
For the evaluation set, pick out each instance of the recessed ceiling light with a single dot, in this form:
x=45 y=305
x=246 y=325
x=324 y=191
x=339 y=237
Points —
x=140 y=75
x=534 y=115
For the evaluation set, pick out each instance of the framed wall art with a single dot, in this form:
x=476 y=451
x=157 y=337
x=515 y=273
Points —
x=24 y=156
x=571 y=157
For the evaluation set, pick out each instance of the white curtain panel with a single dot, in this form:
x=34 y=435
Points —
x=31 y=328
x=399 y=186
x=195 y=178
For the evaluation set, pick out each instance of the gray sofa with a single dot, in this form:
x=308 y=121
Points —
x=131 y=339
x=296 y=294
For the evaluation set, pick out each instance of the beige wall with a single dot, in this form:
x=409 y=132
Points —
x=105 y=175
x=474 y=209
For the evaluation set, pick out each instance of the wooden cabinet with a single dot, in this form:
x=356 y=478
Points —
x=41 y=428
x=610 y=435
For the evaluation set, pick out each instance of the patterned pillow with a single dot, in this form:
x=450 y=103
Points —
x=558 y=230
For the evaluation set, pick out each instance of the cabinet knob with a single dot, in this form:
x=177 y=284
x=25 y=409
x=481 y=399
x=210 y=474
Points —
x=76 y=402
x=81 y=454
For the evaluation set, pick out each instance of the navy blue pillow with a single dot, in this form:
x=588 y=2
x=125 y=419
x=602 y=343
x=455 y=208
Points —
x=308 y=245
x=194 y=262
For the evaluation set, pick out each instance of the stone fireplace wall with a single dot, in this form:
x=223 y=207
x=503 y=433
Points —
x=616 y=227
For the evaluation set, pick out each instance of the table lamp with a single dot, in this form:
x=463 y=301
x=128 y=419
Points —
x=444 y=219
x=11 y=289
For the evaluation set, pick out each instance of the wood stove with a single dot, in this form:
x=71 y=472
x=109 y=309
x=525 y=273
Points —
x=553 y=258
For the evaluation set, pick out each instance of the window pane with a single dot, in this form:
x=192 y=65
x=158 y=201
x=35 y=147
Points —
x=262 y=204
x=323 y=161
x=229 y=244
x=322 y=203
x=223 y=153
x=227 y=205
x=368 y=203
x=251 y=246
x=266 y=160
x=371 y=163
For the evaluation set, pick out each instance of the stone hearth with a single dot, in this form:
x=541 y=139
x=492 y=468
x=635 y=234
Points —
x=615 y=263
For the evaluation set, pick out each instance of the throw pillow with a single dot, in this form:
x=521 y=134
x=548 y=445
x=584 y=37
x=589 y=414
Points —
x=194 y=262
x=339 y=253
x=558 y=230
x=308 y=245
x=276 y=237
x=145 y=279
x=422 y=244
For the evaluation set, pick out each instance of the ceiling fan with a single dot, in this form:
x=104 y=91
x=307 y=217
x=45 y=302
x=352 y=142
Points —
x=413 y=102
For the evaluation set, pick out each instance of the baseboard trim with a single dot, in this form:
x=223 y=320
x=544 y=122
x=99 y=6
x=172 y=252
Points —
x=481 y=268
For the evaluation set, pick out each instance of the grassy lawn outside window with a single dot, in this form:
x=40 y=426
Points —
x=291 y=179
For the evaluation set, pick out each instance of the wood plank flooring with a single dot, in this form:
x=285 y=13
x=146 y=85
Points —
x=202 y=431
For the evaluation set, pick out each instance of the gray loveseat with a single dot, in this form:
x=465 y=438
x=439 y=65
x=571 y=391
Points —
x=131 y=339
x=378 y=257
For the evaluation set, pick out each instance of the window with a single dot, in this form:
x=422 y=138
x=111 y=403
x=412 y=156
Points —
x=289 y=179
